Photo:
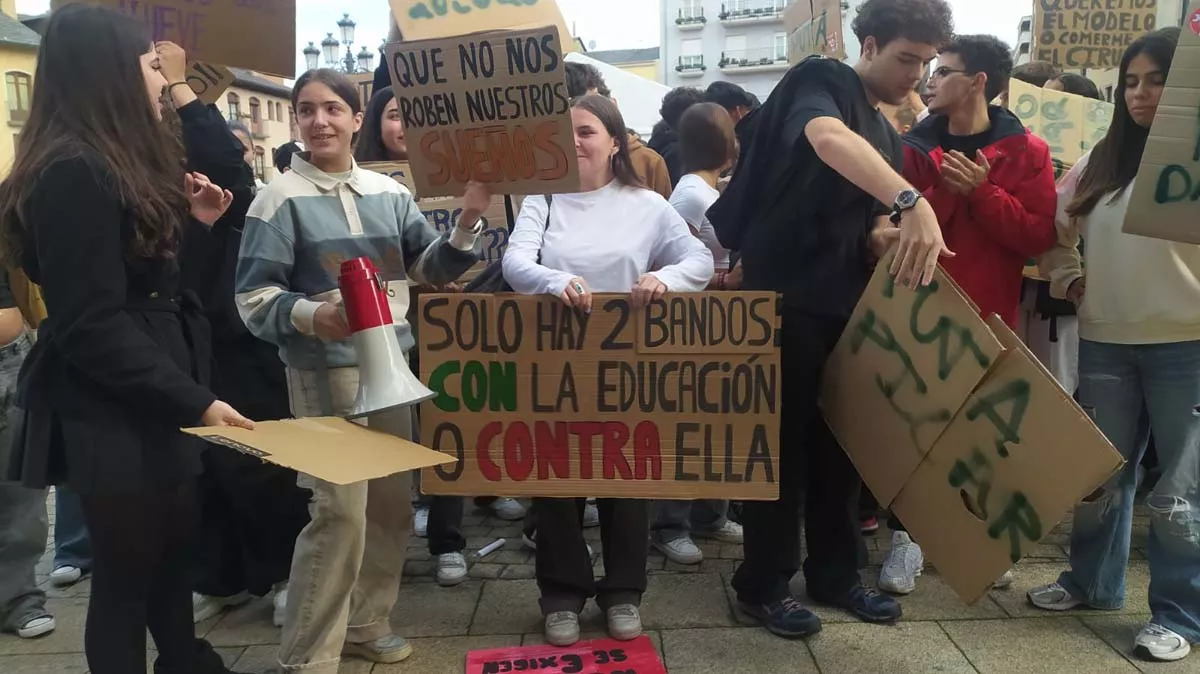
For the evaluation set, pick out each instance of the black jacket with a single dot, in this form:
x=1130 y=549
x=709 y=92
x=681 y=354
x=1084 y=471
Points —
x=121 y=359
x=665 y=141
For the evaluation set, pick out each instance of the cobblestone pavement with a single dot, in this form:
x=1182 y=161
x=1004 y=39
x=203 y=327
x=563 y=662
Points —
x=689 y=615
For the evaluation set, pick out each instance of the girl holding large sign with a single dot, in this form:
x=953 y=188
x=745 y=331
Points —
x=614 y=236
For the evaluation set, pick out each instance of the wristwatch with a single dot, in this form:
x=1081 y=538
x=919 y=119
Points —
x=906 y=200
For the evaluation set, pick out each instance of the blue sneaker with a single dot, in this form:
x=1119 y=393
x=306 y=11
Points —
x=785 y=618
x=865 y=602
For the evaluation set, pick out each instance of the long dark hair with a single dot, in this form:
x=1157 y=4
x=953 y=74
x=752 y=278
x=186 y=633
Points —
x=370 y=145
x=606 y=111
x=1115 y=159
x=91 y=99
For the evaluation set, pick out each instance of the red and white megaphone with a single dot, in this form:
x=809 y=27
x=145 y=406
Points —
x=385 y=381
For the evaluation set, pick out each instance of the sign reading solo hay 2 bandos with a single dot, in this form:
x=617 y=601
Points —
x=489 y=107
x=1089 y=33
x=1165 y=202
x=677 y=401
x=955 y=425
x=255 y=34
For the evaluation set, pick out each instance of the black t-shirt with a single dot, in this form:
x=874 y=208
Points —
x=807 y=226
x=968 y=145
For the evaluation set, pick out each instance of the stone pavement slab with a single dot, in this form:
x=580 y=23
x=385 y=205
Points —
x=443 y=655
x=734 y=649
x=57 y=663
x=1027 y=576
x=1062 y=645
x=1118 y=631
x=934 y=600
x=904 y=648
x=429 y=610
x=258 y=658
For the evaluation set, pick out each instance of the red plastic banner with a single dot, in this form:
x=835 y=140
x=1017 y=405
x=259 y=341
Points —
x=600 y=656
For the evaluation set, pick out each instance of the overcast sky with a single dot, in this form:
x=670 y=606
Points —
x=611 y=24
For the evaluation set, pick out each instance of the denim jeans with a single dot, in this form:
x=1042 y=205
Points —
x=1130 y=390
x=676 y=519
x=347 y=563
x=72 y=545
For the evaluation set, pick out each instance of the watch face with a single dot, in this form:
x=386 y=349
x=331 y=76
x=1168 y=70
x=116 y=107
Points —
x=907 y=199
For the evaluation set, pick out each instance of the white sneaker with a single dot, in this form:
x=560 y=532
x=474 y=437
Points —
x=279 y=602
x=451 y=569
x=624 y=622
x=680 y=550
x=421 y=522
x=562 y=628
x=1052 y=597
x=730 y=532
x=386 y=650
x=1159 y=643
x=205 y=607
x=1004 y=582
x=902 y=565
x=591 y=515
x=508 y=509
x=36 y=627
x=66 y=576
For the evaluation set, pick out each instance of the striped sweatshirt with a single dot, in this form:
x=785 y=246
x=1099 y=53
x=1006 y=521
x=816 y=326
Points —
x=300 y=229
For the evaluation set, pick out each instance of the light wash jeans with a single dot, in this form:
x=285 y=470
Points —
x=72 y=544
x=1130 y=390
x=348 y=560
x=671 y=520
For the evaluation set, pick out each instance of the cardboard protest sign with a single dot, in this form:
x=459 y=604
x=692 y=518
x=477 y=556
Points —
x=434 y=19
x=814 y=28
x=598 y=656
x=444 y=212
x=979 y=475
x=1071 y=125
x=1072 y=34
x=331 y=448
x=208 y=80
x=1018 y=455
x=677 y=401
x=255 y=34
x=489 y=107
x=365 y=82
x=1165 y=202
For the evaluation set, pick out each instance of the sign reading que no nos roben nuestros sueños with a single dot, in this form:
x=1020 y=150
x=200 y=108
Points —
x=678 y=400
x=491 y=107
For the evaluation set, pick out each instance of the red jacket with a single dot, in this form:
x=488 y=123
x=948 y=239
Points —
x=1002 y=224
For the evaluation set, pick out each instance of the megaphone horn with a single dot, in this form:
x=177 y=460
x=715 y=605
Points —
x=385 y=381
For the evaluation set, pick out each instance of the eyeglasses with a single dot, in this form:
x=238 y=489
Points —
x=945 y=71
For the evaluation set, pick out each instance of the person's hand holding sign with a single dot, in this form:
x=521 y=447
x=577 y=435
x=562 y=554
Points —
x=172 y=62
x=476 y=199
x=962 y=174
x=921 y=244
x=208 y=200
x=577 y=294
x=647 y=288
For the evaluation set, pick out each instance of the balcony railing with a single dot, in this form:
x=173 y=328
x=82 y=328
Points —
x=745 y=12
x=692 y=18
x=767 y=58
x=690 y=66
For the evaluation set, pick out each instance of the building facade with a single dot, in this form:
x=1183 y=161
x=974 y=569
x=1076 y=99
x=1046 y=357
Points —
x=640 y=62
x=264 y=105
x=18 y=60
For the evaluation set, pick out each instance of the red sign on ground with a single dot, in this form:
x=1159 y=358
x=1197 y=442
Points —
x=600 y=656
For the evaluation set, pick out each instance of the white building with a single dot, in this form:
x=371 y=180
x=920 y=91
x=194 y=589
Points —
x=740 y=41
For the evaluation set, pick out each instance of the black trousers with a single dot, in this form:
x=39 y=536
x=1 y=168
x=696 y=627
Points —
x=814 y=473
x=444 y=531
x=141 y=547
x=564 y=569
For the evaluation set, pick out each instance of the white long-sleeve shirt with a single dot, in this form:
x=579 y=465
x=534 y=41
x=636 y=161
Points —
x=1139 y=290
x=608 y=237
x=691 y=199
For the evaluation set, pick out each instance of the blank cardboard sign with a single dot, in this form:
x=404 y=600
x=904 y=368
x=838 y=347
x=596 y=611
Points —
x=1018 y=455
x=1165 y=203
x=903 y=366
x=331 y=448
x=677 y=401
x=489 y=107
x=258 y=35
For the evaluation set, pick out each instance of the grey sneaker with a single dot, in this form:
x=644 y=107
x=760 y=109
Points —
x=902 y=565
x=1052 y=597
x=508 y=509
x=38 y=625
x=1004 y=582
x=591 y=515
x=624 y=622
x=562 y=628
x=451 y=569
x=1159 y=643
x=389 y=649
x=680 y=550
x=730 y=532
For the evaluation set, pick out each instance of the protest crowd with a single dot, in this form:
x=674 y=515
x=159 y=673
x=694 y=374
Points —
x=154 y=285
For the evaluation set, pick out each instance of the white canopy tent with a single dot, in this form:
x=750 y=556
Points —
x=638 y=97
